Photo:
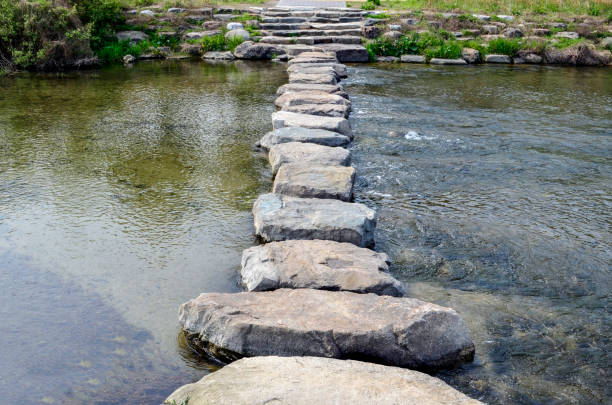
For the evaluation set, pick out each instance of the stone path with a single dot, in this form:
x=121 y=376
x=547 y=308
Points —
x=313 y=287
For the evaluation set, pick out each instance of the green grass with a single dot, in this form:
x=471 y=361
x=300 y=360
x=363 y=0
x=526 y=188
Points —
x=516 y=7
x=504 y=46
x=439 y=44
x=220 y=43
x=567 y=42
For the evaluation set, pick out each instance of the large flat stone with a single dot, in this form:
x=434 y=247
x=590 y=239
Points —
x=318 y=264
x=306 y=180
x=348 y=53
x=310 y=60
x=281 y=119
x=296 y=152
x=279 y=217
x=320 y=69
x=310 y=97
x=329 y=78
x=298 y=87
x=339 y=68
x=316 y=380
x=253 y=50
x=402 y=332
x=323 y=110
x=297 y=134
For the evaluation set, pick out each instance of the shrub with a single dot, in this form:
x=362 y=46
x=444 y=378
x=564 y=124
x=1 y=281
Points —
x=448 y=50
x=504 y=46
x=220 y=43
x=103 y=15
x=368 y=6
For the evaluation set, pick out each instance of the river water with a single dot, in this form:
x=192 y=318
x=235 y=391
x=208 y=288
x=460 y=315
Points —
x=124 y=192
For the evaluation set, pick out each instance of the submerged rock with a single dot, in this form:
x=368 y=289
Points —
x=297 y=134
x=315 y=380
x=252 y=50
x=279 y=217
x=300 y=152
x=281 y=119
x=303 y=179
x=318 y=264
x=305 y=322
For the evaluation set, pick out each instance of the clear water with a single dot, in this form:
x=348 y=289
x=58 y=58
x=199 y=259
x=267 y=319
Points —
x=123 y=193
x=494 y=197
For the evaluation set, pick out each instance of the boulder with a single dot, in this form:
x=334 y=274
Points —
x=395 y=27
x=281 y=119
x=440 y=61
x=294 y=152
x=567 y=34
x=316 y=380
x=371 y=32
x=279 y=217
x=127 y=59
x=528 y=58
x=234 y=26
x=307 y=180
x=470 y=55
x=318 y=264
x=512 y=33
x=238 y=34
x=176 y=10
x=201 y=34
x=191 y=49
x=148 y=13
x=387 y=59
x=402 y=332
x=493 y=58
x=559 y=25
x=579 y=55
x=252 y=50
x=218 y=55
x=299 y=87
x=348 y=53
x=313 y=78
x=606 y=42
x=413 y=59
x=490 y=29
x=297 y=134
x=132 y=36
x=392 y=35
x=541 y=32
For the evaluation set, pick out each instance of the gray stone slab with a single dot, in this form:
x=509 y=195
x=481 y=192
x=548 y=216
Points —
x=339 y=68
x=336 y=324
x=322 y=110
x=318 y=264
x=299 y=87
x=307 y=180
x=294 y=152
x=348 y=53
x=440 y=61
x=279 y=217
x=313 y=78
x=297 y=134
x=281 y=119
x=492 y=58
x=316 y=380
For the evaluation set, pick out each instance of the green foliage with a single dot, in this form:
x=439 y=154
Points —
x=102 y=15
x=594 y=10
x=380 y=16
x=567 y=42
x=220 y=43
x=368 y=6
x=434 y=45
x=504 y=46
x=246 y=17
x=447 y=50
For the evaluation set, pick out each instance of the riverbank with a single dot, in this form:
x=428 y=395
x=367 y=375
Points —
x=96 y=32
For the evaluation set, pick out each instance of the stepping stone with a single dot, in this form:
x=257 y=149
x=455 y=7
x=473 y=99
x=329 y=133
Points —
x=316 y=70
x=348 y=53
x=295 y=50
x=402 y=332
x=297 y=134
x=281 y=119
x=313 y=78
x=336 y=26
x=305 y=59
x=439 y=61
x=315 y=181
x=322 y=110
x=318 y=264
x=339 y=68
x=292 y=33
x=316 y=380
x=294 y=152
x=310 y=97
x=279 y=217
x=299 y=87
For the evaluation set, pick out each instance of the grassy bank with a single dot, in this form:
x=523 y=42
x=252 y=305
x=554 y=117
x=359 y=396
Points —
x=510 y=7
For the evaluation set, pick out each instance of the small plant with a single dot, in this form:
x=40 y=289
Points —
x=594 y=10
x=504 y=46
x=220 y=43
x=449 y=50
x=380 y=16
x=368 y=6
x=184 y=402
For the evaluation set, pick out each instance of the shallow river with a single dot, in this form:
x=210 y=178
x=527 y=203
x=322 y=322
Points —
x=126 y=192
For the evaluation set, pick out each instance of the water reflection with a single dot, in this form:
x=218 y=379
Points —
x=122 y=194
x=494 y=199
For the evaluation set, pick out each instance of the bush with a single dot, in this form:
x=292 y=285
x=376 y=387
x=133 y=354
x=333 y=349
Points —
x=220 y=43
x=41 y=35
x=368 y=6
x=448 y=50
x=103 y=15
x=434 y=45
x=504 y=46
